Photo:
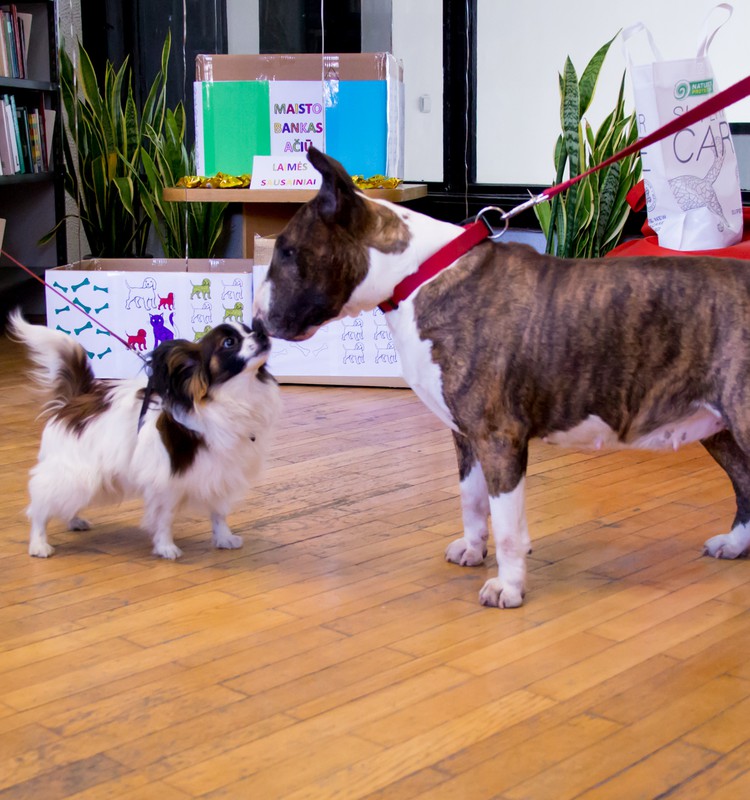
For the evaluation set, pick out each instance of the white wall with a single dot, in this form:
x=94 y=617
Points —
x=418 y=42
x=523 y=46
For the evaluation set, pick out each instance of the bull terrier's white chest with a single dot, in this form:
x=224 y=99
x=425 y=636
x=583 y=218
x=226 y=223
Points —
x=419 y=370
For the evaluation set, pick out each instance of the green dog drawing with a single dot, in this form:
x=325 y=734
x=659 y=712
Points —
x=202 y=290
x=234 y=313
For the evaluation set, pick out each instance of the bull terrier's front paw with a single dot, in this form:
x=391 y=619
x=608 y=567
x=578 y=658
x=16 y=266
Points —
x=725 y=546
x=167 y=550
x=227 y=542
x=40 y=549
x=461 y=552
x=494 y=594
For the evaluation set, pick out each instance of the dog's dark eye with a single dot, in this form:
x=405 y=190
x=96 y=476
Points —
x=229 y=342
x=288 y=252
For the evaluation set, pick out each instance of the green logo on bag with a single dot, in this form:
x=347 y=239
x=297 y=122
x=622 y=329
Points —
x=685 y=89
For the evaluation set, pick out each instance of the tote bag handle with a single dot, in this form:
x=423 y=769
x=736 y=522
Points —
x=710 y=32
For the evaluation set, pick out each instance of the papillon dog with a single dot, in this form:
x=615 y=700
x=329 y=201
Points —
x=192 y=431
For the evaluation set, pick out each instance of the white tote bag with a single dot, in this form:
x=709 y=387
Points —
x=692 y=182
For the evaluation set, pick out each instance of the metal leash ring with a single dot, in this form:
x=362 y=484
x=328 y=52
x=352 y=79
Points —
x=506 y=216
x=495 y=233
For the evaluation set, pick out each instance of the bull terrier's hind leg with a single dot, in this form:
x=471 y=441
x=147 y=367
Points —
x=729 y=455
x=471 y=548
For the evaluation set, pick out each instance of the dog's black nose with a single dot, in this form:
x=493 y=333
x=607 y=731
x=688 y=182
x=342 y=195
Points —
x=260 y=332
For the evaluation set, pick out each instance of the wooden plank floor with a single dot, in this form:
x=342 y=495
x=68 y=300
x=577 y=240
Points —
x=338 y=656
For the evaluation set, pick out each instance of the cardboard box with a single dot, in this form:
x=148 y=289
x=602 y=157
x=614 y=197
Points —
x=348 y=352
x=263 y=250
x=349 y=105
x=144 y=301
x=298 y=66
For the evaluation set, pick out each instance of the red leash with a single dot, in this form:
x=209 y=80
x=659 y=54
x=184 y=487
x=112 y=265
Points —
x=481 y=229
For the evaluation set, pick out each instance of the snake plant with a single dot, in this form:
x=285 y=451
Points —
x=184 y=229
x=587 y=220
x=118 y=159
x=104 y=148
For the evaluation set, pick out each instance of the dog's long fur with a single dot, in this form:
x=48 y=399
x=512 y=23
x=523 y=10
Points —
x=508 y=344
x=208 y=415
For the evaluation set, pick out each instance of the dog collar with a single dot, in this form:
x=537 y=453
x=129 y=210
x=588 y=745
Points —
x=473 y=233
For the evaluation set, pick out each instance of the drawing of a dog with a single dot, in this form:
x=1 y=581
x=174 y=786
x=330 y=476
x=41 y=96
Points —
x=234 y=313
x=144 y=296
x=202 y=289
x=233 y=290
x=198 y=335
x=167 y=302
x=138 y=340
x=508 y=344
x=202 y=314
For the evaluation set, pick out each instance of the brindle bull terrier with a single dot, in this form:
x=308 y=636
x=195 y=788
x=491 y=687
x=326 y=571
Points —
x=508 y=344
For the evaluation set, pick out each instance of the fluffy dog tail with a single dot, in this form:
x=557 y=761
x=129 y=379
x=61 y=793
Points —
x=62 y=370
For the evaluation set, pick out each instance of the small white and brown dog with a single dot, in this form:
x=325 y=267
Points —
x=192 y=434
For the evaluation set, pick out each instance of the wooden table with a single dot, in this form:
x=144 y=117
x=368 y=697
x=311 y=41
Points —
x=266 y=211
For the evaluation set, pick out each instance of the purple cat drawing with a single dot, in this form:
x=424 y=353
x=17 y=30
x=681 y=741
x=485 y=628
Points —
x=161 y=331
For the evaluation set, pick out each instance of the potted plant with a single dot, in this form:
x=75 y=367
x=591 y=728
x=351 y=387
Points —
x=587 y=220
x=118 y=159
x=192 y=229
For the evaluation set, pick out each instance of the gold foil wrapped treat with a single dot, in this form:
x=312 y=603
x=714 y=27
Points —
x=192 y=182
x=375 y=182
x=219 y=181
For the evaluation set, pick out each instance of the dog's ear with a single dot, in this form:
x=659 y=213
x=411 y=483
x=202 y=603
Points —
x=178 y=374
x=337 y=199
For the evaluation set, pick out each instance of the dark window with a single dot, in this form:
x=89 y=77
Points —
x=294 y=26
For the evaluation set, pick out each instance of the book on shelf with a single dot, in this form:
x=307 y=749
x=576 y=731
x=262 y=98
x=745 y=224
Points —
x=16 y=40
x=10 y=44
x=24 y=24
x=8 y=151
x=16 y=132
x=15 y=31
x=48 y=132
x=35 y=133
x=32 y=115
x=4 y=60
x=25 y=137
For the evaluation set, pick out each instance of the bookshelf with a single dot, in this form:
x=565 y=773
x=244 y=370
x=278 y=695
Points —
x=32 y=199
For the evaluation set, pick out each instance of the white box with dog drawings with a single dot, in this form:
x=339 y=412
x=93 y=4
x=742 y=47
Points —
x=355 y=351
x=144 y=301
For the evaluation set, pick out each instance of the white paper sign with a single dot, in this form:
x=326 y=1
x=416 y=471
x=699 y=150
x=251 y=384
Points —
x=297 y=117
x=277 y=172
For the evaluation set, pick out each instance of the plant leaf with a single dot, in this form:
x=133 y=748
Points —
x=590 y=75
